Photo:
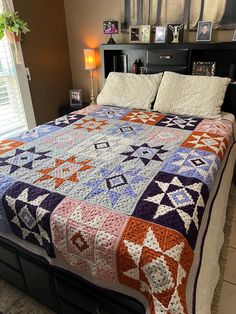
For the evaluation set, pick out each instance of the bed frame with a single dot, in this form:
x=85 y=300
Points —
x=61 y=290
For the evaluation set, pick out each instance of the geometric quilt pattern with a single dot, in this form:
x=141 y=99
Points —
x=86 y=236
x=157 y=264
x=66 y=120
x=176 y=202
x=209 y=142
x=28 y=209
x=19 y=158
x=8 y=145
x=140 y=116
x=119 y=195
x=193 y=164
x=178 y=122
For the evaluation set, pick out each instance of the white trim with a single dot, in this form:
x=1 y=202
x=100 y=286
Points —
x=24 y=85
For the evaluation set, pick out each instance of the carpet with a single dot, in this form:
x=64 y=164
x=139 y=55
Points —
x=12 y=301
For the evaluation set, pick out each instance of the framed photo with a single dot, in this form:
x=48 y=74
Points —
x=134 y=34
x=110 y=27
x=160 y=35
x=204 y=31
x=145 y=31
x=76 y=98
x=234 y=38
x=204 y=68
x=175 y=33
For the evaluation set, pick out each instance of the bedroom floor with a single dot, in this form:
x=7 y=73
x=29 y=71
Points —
x=227 y=299
x=13 y=301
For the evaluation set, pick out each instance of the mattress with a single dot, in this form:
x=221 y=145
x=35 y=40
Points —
x=124 y=199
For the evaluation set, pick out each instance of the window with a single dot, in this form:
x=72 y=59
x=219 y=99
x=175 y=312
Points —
x=12 y=114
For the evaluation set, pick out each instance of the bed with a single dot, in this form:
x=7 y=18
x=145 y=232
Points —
x=120 y=200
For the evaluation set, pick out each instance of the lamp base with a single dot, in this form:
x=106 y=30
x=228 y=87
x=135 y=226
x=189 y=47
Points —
x=111 y=41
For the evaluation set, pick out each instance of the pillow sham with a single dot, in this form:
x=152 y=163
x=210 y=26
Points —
x=199 y=96
x=130 y=90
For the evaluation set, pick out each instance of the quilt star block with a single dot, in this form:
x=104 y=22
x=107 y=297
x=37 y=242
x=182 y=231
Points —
x=145 y=117
x=145 y=153
x=22 y=159
x=219 y=127
x=8 y=145
x=116 y=187
x=176 y=202
x=66 y=120
x=28 y=209
x=154 y=264
x=126 y=130
x=91 y=124
x=64 y=170
x=191 y=163
x=108 y=112
x=179 y=122
x=88 y=237
x=209 y=142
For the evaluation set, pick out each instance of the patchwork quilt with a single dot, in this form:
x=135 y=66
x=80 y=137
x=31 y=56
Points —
x=118 y=194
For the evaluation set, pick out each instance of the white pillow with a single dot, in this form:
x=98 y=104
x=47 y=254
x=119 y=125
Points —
x=199 y=96
x=130 y=90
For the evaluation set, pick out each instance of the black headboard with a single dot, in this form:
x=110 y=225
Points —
x=179 y=58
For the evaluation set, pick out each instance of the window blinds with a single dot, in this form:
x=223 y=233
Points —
x=12 y=116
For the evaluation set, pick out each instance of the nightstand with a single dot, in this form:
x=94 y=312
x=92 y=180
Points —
x=66 y=109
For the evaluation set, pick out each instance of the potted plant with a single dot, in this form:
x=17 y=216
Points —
x=12 y=26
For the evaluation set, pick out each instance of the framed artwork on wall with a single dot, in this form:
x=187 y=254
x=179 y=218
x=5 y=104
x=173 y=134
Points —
x=204 y=68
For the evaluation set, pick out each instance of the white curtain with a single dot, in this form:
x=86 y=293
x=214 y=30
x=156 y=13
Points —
x=12 y=115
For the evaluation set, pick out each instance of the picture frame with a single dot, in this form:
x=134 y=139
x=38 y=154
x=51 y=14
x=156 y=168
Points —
x=204 y=68
x=175 y=33
x=110 y=27
x=145 y=33
x=204 y=31
x=76 y=98
x=234 y=37
x=160 y=34
x=134 y=33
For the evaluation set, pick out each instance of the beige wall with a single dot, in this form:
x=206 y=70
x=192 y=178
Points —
x=84 y=25
x=46 y=53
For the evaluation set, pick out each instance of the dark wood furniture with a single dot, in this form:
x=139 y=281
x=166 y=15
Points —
x=60 y=290
x=179 y=58
x=66 y=109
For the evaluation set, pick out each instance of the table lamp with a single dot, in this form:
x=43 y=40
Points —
x=90 y=64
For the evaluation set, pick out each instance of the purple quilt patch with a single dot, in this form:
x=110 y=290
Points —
x=28 y=209
x=5 y=183
x=176 y=202
x=66 y=120
x=179 y=122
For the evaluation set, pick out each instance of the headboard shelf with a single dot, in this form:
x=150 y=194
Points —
x=178 y=58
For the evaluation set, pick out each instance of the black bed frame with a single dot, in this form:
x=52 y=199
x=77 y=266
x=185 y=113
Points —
x=61 y=290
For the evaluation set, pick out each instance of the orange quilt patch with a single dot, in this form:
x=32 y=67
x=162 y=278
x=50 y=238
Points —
x=209 y=142
x=8 y=145
x=145 y=117
x=155 y=261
